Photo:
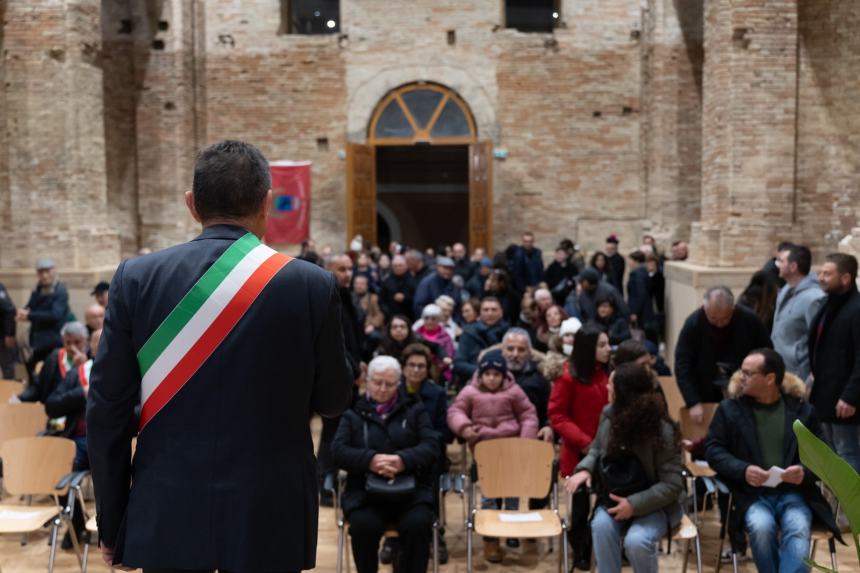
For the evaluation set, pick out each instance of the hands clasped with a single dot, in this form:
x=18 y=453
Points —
x=387 y=465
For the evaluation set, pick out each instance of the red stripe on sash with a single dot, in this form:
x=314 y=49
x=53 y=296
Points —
x=212 y=338
x=82 y=375
x=61 y=360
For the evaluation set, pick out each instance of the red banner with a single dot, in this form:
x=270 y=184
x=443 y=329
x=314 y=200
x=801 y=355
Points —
x=290 y=215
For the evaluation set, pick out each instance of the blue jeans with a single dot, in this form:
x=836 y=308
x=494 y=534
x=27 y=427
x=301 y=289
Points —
x=778 y=527
x=845 y=439
x=639 y=541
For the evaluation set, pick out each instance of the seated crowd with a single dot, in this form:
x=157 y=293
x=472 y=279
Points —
x=476 y=348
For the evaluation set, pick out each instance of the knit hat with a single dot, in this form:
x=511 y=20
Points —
x=570 y=326
x=493 y=361
x=613 y=238
x=431 y=310
x=590 y=274
x=487 y=262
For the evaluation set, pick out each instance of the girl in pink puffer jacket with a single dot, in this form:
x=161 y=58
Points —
x=492 y=405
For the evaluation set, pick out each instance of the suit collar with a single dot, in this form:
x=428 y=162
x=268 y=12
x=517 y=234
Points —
x=222 y=232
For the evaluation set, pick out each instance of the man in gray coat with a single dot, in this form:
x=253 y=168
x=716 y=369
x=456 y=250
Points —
x=796 y=305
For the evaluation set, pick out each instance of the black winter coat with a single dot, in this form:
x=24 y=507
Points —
x=48 y=313
x=639 y=297
x=835 y=358
x=394 y=284
x=68 y=399
x=406 y=431
x=46 y=382
x=615 y=271
x=476 y=337
x=537 y=388
x=696 y=358
x=732 y=445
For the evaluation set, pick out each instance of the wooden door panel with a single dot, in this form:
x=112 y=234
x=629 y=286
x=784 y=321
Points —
x=361 y=192
x=481 y=196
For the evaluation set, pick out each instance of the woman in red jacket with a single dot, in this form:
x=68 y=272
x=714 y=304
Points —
x=577 y=399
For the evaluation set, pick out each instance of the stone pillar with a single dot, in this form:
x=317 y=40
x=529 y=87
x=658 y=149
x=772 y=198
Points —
x=748 y=131
x=166 y=117
x=672 y=61
x=53 y=197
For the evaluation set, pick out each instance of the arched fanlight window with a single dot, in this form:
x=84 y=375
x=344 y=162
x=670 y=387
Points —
x=421 y=113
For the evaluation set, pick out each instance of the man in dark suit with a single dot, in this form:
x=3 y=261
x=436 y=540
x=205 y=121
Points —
x=224 y=471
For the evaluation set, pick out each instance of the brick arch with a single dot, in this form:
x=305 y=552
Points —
x=366 y=96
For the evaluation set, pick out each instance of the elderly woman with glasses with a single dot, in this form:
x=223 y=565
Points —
x=388 y=435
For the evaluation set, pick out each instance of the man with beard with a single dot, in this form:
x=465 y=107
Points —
x=398 y=289
x=834 y=355
x=517 y=352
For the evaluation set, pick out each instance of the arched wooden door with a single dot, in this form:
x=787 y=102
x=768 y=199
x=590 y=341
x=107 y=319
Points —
x=419 y=114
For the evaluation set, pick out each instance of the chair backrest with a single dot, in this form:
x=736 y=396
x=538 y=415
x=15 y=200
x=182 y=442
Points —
x=674 y=399
x=33 y=466
x=514 y=467
x=9 y=388
x=690 y=430
x=21 y=420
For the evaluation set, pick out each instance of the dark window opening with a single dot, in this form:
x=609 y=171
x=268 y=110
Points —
x=533 y=15
x=310 y=17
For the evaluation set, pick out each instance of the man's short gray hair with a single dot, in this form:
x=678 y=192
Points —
x=415 y=255
x=542 y=293
x=517 y=331
x=720 y=295
x=75 y=330
x=383 y=364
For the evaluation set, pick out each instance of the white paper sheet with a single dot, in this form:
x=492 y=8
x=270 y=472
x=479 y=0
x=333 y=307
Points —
x=520 y=517
x=774 y=477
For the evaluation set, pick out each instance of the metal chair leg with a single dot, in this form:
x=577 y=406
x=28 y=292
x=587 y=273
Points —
x=55 y=527
x=565 y=556
x=812 y=547
x=340 y=548
x=734 y=562
x=831 y=544
x=469 y=547
x=698 y=553
x=695 y=504
x=85 y=558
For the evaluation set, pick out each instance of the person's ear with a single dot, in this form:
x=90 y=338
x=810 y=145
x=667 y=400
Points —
x=189 y=202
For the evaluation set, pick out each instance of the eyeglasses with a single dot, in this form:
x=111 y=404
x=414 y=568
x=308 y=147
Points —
x=746 y=374
x=383 y=384
x=416 y=365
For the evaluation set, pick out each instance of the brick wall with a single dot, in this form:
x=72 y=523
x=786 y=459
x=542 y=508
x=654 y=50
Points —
x=828 y=137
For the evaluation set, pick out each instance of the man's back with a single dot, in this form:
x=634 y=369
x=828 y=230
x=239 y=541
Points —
x=796 y=306
x=224 y=474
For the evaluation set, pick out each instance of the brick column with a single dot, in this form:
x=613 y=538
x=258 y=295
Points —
x=167 y=122
x=53 y=197
x=672 y=60
x=748 y=130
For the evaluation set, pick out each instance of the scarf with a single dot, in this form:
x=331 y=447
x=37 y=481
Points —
x=383 y=408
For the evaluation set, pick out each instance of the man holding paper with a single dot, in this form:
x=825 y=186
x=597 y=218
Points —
x=752 y=447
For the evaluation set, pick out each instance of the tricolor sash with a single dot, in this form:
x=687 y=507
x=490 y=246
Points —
x=84 y=374
x=65 y=362
x=203 y=319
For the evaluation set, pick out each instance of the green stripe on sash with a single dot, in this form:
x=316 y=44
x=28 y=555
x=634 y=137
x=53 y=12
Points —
x=193 y=300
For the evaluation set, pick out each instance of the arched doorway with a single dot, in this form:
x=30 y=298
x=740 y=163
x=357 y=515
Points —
x=424 y=164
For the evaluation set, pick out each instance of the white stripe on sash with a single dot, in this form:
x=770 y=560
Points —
x=202 y=319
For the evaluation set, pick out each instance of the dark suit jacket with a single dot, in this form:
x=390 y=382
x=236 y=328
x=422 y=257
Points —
x=48 y=313
x=224 y=477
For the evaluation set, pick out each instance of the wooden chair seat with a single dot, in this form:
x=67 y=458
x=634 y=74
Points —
x=488 y=523
x=685 y=530
x=24 y=518
x=698 y=470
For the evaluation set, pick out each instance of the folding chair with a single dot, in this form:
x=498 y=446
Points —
x=32 y=466
x=674 y=399
x=21 y=420
x=336 y=490
x=521 y=468
x=694 y=470
x=9 y=388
